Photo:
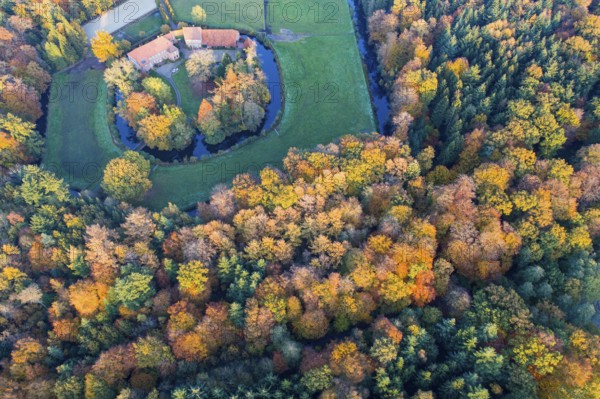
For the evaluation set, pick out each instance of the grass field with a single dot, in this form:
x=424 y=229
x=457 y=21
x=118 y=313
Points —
x=78 y=139
x=190 y=101
x=315 y=17
x=142 y=28
x=241 y=14
x=326 y=97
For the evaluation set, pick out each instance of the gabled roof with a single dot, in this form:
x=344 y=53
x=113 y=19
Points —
x=220 y=37
x=150 y=49
x=192 y=33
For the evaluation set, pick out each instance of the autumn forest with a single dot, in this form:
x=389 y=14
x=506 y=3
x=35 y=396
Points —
x=454 y=257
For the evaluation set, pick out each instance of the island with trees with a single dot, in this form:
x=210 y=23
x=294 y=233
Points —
x=236 y=101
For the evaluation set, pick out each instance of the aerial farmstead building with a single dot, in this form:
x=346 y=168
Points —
x=220 y=37
x=152 y=53
x=162 y=48
x=196 y=37
x=247 y=43
x=192 y=37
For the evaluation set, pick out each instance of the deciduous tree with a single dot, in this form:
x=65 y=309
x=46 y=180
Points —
x=126 y=178
x=104 y=47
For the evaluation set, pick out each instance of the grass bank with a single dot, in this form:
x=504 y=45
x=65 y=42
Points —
x=190 y=101
x=78 y=139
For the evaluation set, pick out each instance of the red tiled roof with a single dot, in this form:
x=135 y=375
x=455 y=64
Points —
x=150 y=49
x=220 y=37
x=172 y=35
x=192 y=33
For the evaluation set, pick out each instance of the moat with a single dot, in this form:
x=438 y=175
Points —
x=199 y=148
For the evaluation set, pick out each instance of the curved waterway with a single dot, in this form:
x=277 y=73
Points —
x=381 y=105
x=198 y=148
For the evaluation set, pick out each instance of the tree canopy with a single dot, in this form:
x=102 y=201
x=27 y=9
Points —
x=126 y=178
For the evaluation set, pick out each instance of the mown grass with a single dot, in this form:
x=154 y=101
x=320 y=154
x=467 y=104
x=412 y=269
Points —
x=144 y=27
x=247 y=15
x=190 y=101
x=326 y=91
x=314 y=17
x=78 y=139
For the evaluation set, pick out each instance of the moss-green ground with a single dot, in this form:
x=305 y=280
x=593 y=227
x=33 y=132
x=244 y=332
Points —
x=78 y=139
x=142 y=28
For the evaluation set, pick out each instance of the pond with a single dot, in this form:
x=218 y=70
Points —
x=198 y=148
x=379 y=97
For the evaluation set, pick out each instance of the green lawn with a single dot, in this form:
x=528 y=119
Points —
x=190 y=101
x=78 y=140
x=144 y=27
x=322 y=17
x=241 y=14
x=327 y=97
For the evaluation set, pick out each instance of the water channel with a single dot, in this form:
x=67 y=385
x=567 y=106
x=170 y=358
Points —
x=379 y=97
x=198 y=148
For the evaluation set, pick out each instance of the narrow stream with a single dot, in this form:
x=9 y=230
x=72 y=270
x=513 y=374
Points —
x=198 y=148
x=379 y=97
x=42 y=123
